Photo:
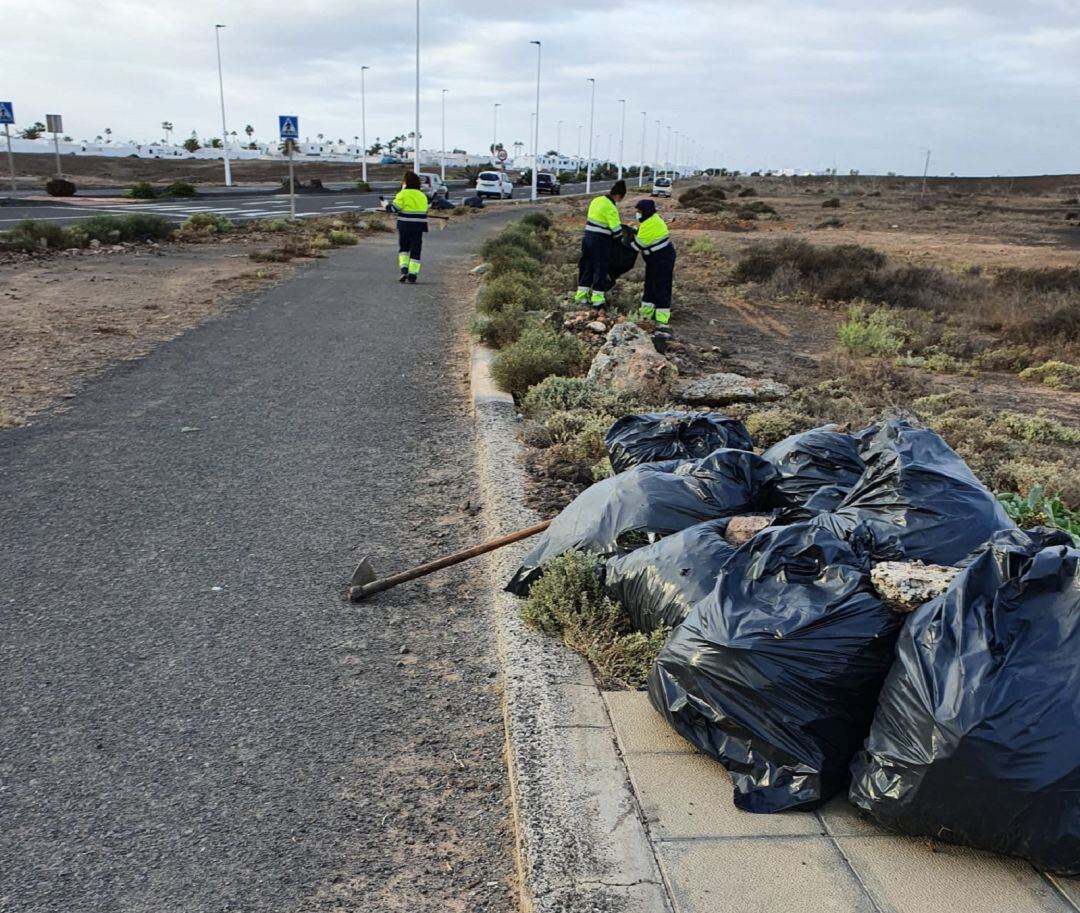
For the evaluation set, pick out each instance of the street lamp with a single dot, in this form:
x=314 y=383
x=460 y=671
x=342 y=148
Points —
x=442 y=154
x=221 y=90
x=580 y=127
x=536 y=134
x=592 y=117
x=416 y=149
x=622 y=135
x=667 y=153
x=363 y=126
x=558 y=138
x=495 y=131
x=641 y=167
x=675 y=158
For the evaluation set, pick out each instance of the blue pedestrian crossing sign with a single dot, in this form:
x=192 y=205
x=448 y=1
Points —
x=7 y=113
x=289 y=126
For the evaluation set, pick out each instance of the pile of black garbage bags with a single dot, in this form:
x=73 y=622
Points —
x=959 y=721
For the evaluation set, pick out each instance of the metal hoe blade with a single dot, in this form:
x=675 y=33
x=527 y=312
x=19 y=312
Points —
x=363 y=574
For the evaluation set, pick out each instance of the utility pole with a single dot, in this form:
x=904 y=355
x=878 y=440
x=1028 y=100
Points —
x=558 y=138
x=363 y=126
x=592 y=118
x=641 y=167
x=221 y=90
x=495 y=131
x=580 y=127
x=926 y=171
x=667 y=153
x=416 y=149
x=622 y=136
x=536 y=126
x=442 y=155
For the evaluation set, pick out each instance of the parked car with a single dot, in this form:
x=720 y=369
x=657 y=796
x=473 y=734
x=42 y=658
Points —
x=494 y=184
x=433 y=186
x=661 y=187
x=547 y=183
x=389 y=160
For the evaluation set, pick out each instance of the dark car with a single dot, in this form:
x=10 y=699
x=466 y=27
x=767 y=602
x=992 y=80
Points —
x=548 y=183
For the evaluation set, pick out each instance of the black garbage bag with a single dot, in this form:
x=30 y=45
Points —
x=658 y=584
x=776 y=673
x=622 y=257
x=441 y=203
x=654 y=498
x=976 y=739
x=473 y=202
x=654 y=436
x=917 y=500
x=809 y=461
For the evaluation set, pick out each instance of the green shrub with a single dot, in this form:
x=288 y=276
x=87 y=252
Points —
x=939 y=403
x=206 y=223
x=569 y=601
x=831 y=203
x=812 y=264
x=509 y=291
x=142 y=190
x=1037 y=429
x=31 y=235
x=363 y=187
x=342 y=238
x=873 y=332
x=512 y=260
x=749 y=211
x=1057 y=374
x=499 y=328
x=538 y=353
x=769 y=426
x=540 y=221
x=136 y=226
x=555 y=394
x=270 y=225
x=747 y=192
x=60 y=187
x=1039 y=508
x=320 y=242
x=514 y=236
x=179 y=190
x=1039 y=281
x=704 y=198
x=703 y=247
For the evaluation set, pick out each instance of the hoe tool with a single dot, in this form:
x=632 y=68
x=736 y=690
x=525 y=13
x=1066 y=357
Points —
x=365 y=582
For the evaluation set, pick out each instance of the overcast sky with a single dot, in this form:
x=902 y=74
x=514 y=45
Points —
x=992 y=87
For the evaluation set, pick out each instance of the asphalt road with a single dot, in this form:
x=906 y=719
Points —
x=236 y=207
x=191 y=717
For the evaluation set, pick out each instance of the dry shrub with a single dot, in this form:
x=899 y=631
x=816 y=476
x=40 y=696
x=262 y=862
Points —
x=569 y=602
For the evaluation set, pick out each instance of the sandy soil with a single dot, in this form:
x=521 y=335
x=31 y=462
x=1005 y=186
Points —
x=66 y=317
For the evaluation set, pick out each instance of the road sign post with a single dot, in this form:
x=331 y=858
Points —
x=55 y=125
x=7 y=118
x=289 y=130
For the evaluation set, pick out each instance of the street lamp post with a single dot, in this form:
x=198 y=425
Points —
x=641 y=167
x=558 y=138
x=536 y=126
x=667 y=153
x=363 y=126
x=442 y=154
x=221 y=91
x=622 y=136
x=416 y=148
x=580 y=127
x=495 y=130
x=592 y=116
x=675 y=159
x=656 y=154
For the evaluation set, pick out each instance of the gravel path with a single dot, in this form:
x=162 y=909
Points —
x=191 y=718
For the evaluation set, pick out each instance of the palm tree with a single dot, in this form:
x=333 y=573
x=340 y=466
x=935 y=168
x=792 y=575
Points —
x=108 y=134
x=166 y=125
x=250 y=131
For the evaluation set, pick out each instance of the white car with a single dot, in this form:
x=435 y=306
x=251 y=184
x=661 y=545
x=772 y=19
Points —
x=661 y=187
x=494 y=184
x=433 y=186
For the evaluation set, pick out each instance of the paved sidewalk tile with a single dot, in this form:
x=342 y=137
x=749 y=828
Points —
x=690 y=796
x=907 y=875
x=639 y=727
x=762 y=875
x=842 y=819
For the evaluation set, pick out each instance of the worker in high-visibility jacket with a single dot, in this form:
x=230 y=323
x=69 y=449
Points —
x=657 y=249
x=411 y=206
x=602 y=227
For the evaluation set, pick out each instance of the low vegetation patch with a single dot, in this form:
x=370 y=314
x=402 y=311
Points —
x=569 y=602
x=205 y=224
x=539 y=352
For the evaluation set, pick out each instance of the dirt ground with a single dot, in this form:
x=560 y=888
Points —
x=70 y=316
x=959 y=226
x=100 y=171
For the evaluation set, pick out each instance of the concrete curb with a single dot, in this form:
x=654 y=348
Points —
x=581 y=842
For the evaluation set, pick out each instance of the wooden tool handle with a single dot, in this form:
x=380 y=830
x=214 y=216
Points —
x=357 y=593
